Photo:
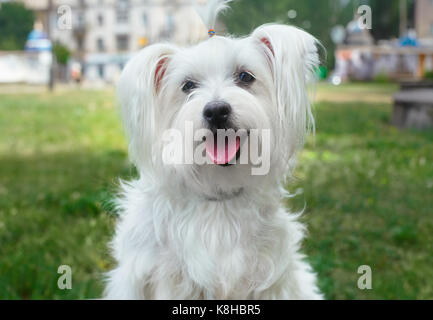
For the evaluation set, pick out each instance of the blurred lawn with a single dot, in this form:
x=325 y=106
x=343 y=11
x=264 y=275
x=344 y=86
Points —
x=368 y=189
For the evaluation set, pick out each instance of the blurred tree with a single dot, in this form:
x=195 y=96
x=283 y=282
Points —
x=16 y=22
x=386 y=17
x=61 y=53
x=316 y=17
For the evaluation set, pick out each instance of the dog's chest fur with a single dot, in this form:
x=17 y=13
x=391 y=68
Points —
x=216 y=246
x=204 y=249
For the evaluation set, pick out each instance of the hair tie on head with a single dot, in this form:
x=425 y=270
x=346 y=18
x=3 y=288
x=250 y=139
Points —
x=211 y=33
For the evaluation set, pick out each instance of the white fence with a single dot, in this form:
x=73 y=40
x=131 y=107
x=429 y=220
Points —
x=25 y=67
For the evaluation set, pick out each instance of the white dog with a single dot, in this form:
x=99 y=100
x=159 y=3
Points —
x=214 y=231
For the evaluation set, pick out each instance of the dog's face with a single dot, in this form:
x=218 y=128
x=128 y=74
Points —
x=248 y=86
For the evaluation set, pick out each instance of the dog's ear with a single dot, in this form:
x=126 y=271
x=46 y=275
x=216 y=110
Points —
x=293 y=58
x=138 y=89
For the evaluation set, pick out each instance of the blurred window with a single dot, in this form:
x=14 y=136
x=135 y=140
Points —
x=170 y=23
x=145 y=19
x=122 y=42
x=101 y=70
x=80 y=20
x=122 y=11
x=100 y=19
x=100 y=45
x=80 y=43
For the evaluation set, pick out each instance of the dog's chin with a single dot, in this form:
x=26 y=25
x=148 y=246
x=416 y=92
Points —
x=222 y=182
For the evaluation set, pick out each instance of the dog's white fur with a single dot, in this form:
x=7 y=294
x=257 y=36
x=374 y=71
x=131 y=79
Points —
x=212 y=232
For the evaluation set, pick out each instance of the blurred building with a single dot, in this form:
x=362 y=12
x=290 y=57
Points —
x=424 y=20
x=104 y=34
x=406 y=58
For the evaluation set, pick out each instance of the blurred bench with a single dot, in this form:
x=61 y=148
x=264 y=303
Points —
x=413 y=105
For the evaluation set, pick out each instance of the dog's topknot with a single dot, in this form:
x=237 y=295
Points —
x=210 y=11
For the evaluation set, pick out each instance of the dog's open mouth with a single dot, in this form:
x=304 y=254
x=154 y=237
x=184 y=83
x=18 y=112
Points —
x=224 y=152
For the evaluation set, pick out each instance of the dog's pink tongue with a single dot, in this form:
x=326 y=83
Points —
x=223 y=153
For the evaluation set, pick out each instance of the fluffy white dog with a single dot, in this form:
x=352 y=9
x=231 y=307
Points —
x=214 y=231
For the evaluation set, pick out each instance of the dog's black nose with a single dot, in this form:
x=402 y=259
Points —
x=217 y=113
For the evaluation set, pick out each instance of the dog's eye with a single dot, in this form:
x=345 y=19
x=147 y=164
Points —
x=188 y=86
x=246 y=77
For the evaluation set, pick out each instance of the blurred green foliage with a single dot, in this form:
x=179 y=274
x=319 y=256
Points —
x=61 y=53
x=367 y=188
x=16 y=22
x=316 y=17
x=429 y=75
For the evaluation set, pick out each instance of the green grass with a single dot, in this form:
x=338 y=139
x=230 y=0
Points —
x=369 y=194
x=368 y=190
x=60 y=158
